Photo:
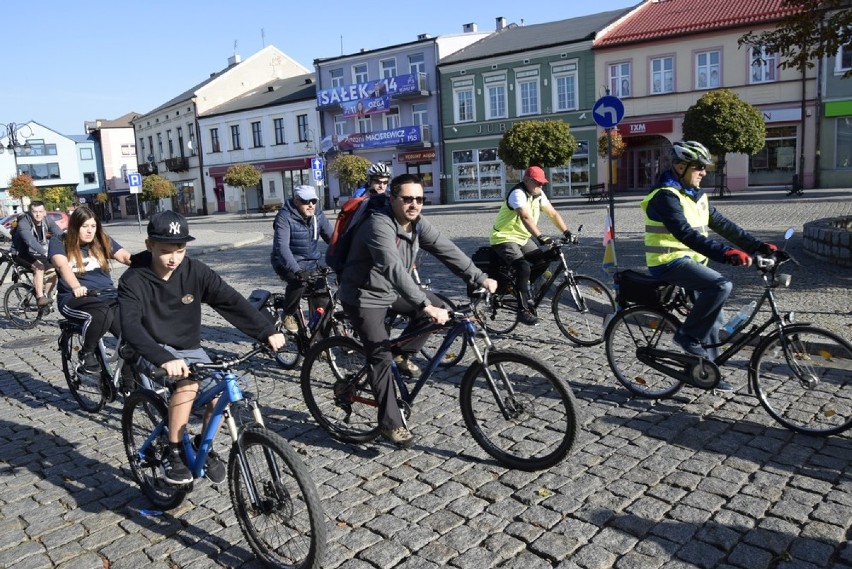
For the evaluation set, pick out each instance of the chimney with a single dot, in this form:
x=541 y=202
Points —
x=467 y=28
x=423 y=36
x=501 y=23
x=233 y=60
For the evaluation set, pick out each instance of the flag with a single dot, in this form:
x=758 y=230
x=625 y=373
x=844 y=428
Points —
x=608 y=234
x=610 y=261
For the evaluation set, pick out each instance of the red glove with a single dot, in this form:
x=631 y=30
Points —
x=766 y=249
x=736 y=257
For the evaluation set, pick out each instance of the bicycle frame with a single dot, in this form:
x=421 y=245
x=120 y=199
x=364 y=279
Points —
x=562 y=269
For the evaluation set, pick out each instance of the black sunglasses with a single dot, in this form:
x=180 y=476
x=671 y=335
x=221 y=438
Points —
x=698 y=167
x=408 y=199
x=312 y=202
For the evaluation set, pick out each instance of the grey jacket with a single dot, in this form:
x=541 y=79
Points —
x=378 y=268
x=29 y=240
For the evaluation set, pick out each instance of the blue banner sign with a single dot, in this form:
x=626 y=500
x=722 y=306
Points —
x=393 y=137
x=364 y=107
x=371 y=89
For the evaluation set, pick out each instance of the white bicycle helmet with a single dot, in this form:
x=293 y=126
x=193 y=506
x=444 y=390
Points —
x=378 y=170
x=691 y=151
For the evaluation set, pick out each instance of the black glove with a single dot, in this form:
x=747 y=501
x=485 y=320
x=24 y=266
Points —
x=766 y=249
x=544 y=239
x=304 y=275
x=568 y=237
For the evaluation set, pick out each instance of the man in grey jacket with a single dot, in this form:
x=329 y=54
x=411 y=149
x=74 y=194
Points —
x=30 y=241
x=378 y=280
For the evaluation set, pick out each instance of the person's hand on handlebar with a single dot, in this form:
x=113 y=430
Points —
x=438 y=315
x=276 y=341
x=736 y=258
x=176 y=368
x=80 y=291
x=490 y=285
x=544 y=239
x=766 y=249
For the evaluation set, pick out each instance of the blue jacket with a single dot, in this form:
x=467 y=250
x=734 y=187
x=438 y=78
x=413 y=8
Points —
x=295 y=246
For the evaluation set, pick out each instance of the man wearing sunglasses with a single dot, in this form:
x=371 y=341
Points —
x=678 y=218
x=378 y=280
x=298 y=227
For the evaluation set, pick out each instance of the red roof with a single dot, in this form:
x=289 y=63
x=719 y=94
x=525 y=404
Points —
x=659 y=19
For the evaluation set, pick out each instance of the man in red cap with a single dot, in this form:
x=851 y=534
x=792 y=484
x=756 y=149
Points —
x=516 y=225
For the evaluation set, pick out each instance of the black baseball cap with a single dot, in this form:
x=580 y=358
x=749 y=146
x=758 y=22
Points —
x=169 y=227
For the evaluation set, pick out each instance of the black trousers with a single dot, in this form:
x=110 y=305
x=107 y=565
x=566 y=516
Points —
x=98 y=315
x=370 y=324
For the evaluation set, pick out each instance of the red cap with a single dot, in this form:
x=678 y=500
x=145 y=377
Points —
x=535 y=173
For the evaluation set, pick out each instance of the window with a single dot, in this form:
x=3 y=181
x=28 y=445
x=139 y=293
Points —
x=150 y=157
x=89 y=178
x=128 y=150
x=190 y=128
x=416 y=63
x=387 y=67
x=392 y=118
x=478 y=174
x=171 y=144
x=708 y=70
x=365 y=124
x=419 y=114
x=180 y=140
x=843 y=152
x=86 y=154
x=235 y=137
x=764 y=65
x=662 y=75
x=495 y=96
x=336 y=78
x=565 y=87
x=775 y=163
x=278 y=124
x=844 y=59
x=526 y=90
x=160 y=145
x=573 y=178
x=48 y=171
x=256 y=136
x=463 y=99
x=39 y=148
x=619 y=80
x=340 y=125
x=271 y=188
x=214 y=140
x=302 y=127
x=142 y=146
x=359 y=73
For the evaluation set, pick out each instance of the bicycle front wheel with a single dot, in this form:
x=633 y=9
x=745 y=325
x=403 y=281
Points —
x=144 y=414
x=803 y=378
x=634 y=328
x=21 y=306
x=337 y=390
x=276 y=501
x=581 y=306
x=85 y=387
x=501 y=314
x=519 y=411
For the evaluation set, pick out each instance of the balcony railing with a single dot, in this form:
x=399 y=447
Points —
x=147 y=169
x=177 y=164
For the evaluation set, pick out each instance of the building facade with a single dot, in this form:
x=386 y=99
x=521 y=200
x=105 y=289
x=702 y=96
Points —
x=117 y=150
x=835 y=140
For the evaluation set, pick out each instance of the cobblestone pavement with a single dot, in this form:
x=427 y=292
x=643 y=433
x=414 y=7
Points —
x=700 y=480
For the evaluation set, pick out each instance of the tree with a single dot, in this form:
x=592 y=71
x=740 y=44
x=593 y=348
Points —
x=155 y=188
x=60 y=197
x=540 y=143
x=818 y=29
x=22 y=186
x=724 y=123
x=351 y=170
x=243 y=176
x=102 y=198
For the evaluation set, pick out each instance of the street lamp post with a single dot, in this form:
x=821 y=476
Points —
x=14 y=147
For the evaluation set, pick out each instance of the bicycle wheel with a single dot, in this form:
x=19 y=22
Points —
x=145 y=413
x=527 y=418
x=289 y=356
x=803 y=378
x=275 y=501
x=580 y=307
x=636 y=327
x=21 y=306
x=336 y=387
x=501 y=315
x=86 y=388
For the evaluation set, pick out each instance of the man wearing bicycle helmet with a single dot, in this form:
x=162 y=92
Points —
x=678 y=218
x=378 y=176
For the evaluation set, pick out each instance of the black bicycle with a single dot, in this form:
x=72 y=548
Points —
x=19 y=301
x=800 y=373
x=515 y=406
x=580 y=304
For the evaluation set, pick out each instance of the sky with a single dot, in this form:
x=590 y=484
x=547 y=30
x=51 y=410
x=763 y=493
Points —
x=65 y=63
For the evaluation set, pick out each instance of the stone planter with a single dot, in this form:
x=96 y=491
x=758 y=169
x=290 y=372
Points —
x=829 y=239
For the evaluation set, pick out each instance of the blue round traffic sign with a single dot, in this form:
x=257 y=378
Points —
x=608 y=111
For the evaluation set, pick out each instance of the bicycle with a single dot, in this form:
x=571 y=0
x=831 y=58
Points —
x=118 y=374
x=580 y=305
x=19 y=301
x=331 y=322
x=800 y=373
x=274 y=498
x=515 y=407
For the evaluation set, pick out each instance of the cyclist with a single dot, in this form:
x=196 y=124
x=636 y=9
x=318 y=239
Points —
x=82 y=258
x=30 y=241
x=677 y=247
x=378 y=280
x=516 y=224
x=378 y=176
x=298 y=227
x=160 y=299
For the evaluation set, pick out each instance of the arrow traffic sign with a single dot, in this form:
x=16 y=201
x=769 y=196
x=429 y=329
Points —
x=608 y=111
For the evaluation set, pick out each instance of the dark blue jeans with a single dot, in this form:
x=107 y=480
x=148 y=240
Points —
x=710 y=290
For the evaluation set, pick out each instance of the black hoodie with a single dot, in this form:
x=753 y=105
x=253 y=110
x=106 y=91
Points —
x=156 y=311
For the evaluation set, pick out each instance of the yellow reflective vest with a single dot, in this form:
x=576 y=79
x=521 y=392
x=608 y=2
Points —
x=661 y=247
x=508 y=228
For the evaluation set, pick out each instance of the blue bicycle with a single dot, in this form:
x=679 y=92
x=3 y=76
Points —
x=274 y=498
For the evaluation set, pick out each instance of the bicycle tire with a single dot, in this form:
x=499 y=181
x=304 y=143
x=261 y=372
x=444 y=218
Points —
x=21 y=306
x=286 y=527
x=501 y=315
x=806 y=387
x=543 y=425
x=87 y=389
x=633 y=328
x=143 y=412
x=336 y=387
x=289 y=356
x=581 y=306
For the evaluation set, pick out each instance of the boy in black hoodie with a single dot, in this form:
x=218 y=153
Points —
x=160 y=298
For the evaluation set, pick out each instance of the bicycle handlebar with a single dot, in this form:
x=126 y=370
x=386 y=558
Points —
x=100 y=291
x=223 y=364
x=770 y=263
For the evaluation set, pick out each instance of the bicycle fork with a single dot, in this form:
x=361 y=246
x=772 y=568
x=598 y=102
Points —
x=509 y=405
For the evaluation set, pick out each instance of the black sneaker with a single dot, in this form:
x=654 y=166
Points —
x=689 y=344
x=527 y=317
x=174 y=468
x=89 y=364
x=214 y=470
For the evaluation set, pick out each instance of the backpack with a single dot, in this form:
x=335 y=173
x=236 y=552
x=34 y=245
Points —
x=353 y=212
